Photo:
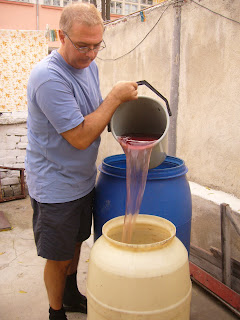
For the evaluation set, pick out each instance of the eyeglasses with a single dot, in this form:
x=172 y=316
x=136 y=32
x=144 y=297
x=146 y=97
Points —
x=85 y=50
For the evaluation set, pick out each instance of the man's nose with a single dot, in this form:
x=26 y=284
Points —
x=91 y=53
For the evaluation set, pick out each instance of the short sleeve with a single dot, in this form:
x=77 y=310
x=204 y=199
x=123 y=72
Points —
x=56 y=100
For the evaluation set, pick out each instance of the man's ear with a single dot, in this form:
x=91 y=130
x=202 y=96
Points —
x=61 y=36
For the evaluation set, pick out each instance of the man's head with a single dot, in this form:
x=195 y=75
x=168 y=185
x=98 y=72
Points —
x=81 y=26
x=83 y=13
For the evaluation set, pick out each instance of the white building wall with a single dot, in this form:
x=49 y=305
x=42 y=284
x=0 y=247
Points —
x=208 y=112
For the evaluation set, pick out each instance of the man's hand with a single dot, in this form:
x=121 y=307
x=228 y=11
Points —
x=124 y=91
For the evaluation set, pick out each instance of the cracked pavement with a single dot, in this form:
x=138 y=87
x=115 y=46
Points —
x=22 y=290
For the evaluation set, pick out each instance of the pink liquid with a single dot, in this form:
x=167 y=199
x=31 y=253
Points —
x=138 y=150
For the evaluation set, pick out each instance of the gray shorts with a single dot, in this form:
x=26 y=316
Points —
x=58 y=227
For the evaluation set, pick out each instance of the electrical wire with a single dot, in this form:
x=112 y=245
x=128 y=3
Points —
x=219 y=14
x=115 y=59
x=141 y=40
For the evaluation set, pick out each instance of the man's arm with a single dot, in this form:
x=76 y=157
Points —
x=82 y=136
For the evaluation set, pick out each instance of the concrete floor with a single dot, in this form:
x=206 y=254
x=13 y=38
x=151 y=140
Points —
x=22 y=292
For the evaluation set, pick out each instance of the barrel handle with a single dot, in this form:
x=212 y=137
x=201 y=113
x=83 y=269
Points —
x=144 y=82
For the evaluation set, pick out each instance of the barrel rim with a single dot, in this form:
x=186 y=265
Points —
x=141 y=218
x=107 y=167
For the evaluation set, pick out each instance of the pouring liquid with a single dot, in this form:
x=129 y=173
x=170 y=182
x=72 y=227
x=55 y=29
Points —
x=138 y=148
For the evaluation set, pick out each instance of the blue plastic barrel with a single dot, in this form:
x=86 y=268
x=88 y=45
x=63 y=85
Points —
x=167 y=194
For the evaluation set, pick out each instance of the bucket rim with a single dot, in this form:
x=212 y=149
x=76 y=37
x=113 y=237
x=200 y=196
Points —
x=141 y=219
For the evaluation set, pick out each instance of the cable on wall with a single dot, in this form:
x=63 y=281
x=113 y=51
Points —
x=219 y=14
x=141 y=40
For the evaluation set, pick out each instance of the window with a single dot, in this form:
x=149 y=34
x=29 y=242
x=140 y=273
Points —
x=28 y=1
x=66 y=2
x=56 y=3
x=112 y=8
x=118 y=8
x=127 y=8
x=130 y=8
x=147 y=2
x=134 y=8
x=59 y=3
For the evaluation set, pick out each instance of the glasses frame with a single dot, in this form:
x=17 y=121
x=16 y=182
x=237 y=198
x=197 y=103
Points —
x=86 y=49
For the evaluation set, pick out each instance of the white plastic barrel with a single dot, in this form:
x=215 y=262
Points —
x=148 y=279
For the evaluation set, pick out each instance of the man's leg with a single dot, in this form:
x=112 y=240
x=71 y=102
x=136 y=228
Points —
x=74 y=263
x=73 y=300
x=55 y=273
x=56 y=228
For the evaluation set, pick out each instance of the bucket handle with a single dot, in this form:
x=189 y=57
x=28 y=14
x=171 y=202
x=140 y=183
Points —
x=144 y=82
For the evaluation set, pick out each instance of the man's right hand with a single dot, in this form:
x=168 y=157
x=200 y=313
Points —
x=124 y=91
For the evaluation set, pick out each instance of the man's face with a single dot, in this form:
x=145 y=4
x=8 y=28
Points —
x=80 y=35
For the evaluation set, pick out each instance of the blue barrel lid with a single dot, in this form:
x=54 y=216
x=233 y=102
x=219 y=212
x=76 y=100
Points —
x=171 y=167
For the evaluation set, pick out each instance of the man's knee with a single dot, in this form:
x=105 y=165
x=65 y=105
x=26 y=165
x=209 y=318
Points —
x=61 y=266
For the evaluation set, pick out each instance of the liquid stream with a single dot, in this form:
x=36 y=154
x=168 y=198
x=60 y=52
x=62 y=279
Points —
x=138 y=150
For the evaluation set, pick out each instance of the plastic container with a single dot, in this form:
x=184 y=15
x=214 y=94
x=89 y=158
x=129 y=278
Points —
x=146 y=280
x=167 y=194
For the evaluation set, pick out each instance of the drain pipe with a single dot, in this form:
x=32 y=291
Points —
x=37 y=13
x=175 y=73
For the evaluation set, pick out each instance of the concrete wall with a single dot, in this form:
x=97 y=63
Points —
x=206 y=227
x=23 y=16
x=13 y=13
x=208 y=111
x=209 y=123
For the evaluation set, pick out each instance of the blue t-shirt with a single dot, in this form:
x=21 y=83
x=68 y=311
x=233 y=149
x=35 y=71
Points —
x=59 y=96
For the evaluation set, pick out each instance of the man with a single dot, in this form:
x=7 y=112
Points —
x=66 y=115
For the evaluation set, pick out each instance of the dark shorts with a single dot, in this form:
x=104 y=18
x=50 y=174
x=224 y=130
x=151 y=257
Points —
x=58 y=227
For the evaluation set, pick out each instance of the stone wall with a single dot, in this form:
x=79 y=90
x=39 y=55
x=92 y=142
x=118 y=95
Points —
x=13 y=145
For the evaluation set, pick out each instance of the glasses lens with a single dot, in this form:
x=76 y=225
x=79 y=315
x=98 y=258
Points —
x=83 y=49
x=86 y=49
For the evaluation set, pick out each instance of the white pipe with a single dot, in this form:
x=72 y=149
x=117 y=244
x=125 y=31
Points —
x=37 y=13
